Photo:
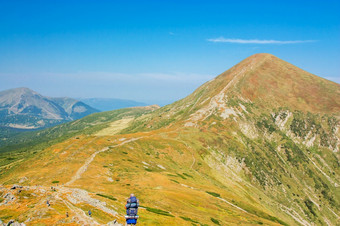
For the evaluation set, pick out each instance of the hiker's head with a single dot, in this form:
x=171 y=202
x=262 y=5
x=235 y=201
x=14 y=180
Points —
x=132 y=195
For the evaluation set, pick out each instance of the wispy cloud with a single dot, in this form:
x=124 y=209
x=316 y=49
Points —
x=257 y=41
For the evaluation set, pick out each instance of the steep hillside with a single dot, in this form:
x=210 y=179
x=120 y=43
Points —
x=26 y=109
x=259 y=144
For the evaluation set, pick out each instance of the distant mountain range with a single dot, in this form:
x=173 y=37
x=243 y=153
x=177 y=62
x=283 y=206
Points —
x=109 y=104
x=23 y=108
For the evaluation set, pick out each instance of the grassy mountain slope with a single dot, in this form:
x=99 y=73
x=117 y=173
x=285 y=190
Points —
x=249 y=147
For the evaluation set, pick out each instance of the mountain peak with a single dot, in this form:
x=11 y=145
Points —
x=261 y=55
x=19 y=90
x=23 y=89
x=259 y=58
x=272 y=82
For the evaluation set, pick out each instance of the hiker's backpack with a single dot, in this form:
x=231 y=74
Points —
x=132 y=206
x=132 y=203
x=133 y=199
x=132 y=211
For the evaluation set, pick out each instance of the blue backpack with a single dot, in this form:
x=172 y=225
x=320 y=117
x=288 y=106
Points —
x=133 y=199
x=132 y=211
x=132 y=206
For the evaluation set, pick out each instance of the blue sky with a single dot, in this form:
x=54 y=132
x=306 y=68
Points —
x=157 y=51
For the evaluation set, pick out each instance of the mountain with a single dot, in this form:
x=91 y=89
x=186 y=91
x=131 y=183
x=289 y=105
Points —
x=263 y=81
x=26 y=109
x=109 y=104
x=257 y=145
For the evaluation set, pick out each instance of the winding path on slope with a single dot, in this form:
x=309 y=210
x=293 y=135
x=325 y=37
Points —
x=84 y=167
x=79 y=213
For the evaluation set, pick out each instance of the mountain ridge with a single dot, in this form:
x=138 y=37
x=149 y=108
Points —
x=25 y=108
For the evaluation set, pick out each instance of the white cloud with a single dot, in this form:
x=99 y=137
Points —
x=256 y=41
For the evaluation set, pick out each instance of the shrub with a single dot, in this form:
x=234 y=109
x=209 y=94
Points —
x=189 y=219
x=107 y=196
x=157 y=211
x=213 y=194
x=215 y=221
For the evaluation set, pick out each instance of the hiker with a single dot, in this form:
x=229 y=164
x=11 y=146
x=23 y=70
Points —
x=47 y=203
x=66 y=214
x=131 y=206
x=90 y=213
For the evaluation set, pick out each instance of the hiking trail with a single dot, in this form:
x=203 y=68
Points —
x=84 y=167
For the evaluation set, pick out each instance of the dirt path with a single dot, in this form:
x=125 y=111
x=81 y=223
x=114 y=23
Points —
x=84 y=167
x=80 y=214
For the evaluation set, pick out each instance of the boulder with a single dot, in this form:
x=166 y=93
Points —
x=15 y=186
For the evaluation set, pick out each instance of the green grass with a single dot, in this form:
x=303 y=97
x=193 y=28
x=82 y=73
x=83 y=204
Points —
x=175 y=181
x=181 y=176
x=158 y=211
x=185 y=174
x=108 y=197
x=215 y=221
x=189 y=219
x=213 y=194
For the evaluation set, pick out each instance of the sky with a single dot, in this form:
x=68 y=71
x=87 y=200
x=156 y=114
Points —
x=157 y=51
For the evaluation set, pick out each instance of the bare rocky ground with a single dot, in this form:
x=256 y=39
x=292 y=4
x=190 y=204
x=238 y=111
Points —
x=56 y=196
